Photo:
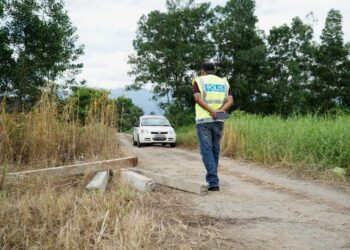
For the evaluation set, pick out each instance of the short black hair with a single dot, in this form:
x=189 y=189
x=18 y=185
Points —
x=208 y=67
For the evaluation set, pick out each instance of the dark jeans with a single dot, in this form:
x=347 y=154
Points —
x=209 y=135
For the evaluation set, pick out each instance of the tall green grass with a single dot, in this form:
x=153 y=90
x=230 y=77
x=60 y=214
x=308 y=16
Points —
x=187 y=136
x=310 y=142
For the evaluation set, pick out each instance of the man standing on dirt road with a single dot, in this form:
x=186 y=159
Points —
x=213 y=98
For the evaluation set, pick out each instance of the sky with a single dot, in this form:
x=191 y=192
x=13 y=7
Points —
x=107 y=29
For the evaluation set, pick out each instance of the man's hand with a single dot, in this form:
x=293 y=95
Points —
x=213 y=113
x=227 y=105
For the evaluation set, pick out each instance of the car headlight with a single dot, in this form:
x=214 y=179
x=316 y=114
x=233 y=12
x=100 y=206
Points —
x=171 y=132
x=143 y=131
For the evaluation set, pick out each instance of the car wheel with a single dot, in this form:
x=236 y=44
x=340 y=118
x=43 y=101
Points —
x=173 y=145
x=139 y=144
x=134 y=143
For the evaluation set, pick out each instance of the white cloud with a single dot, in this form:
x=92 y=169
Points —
x=277 y=12
x=107 y=28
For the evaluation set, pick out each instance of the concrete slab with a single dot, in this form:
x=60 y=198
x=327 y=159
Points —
x=80 y=168
x=138 y=181
x=99 y=182
x=183 y=184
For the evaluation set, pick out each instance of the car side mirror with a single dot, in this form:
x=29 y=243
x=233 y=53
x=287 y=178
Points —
x=136 y=124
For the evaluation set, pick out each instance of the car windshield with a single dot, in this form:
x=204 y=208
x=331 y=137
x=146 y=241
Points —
x=155 y=121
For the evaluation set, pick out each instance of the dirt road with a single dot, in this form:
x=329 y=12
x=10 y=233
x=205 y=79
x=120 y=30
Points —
x=258 y=208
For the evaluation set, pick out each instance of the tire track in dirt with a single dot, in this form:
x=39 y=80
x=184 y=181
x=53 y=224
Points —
x=256 y=207
x=297 y=194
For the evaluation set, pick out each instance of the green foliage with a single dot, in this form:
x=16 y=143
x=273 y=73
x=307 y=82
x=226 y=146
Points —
x=241 y=52
x=6 y=61
x=128 y=113
x=2 y=5
x=179 y=117
x=285 y=72
x=186 y=136
x=170 y=48
x=38 y=44
x=309 y=140
x=331 y=87
x=315 y=143
x=291 y=56
x=83 y=97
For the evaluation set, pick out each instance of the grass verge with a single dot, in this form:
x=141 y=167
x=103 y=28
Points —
x=56 y=213
x=310 y=144
x=51 y=134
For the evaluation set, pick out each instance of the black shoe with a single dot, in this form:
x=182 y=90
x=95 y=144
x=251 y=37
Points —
x=214 y=188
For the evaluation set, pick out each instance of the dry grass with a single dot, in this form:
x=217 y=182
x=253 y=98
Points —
x=49 y=135
x=56 y=213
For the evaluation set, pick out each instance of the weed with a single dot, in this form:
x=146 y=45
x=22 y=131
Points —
x=308 y=143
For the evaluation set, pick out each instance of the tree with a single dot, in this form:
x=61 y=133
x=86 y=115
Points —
x=6 y=61
x=179 y=117
x=241 y=53
x=82 y=98
x=283 y=73
x=290 y=58
x=170 y=47
x=331 y=87
x=43 y=47
x=345 y=82
x=128 y=113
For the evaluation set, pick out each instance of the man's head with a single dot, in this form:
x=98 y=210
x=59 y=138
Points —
x=207 y=68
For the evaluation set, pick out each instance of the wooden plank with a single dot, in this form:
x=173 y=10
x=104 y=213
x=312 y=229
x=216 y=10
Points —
x=183 y=184
x=81 y=168
x=99 y=182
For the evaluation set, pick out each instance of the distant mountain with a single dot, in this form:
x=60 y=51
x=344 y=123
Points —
x=141 y=98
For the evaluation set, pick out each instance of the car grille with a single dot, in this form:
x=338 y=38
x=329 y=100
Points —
x=159 y=133
x=159 y=139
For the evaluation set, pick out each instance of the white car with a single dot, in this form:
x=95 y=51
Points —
x=153 y=130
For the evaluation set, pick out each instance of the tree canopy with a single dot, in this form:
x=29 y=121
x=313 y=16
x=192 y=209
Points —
x=38 y=45
x=170 y=47
x=290 y=59
x=240 y=52
x=283 y=72
x=331 y=87
x=128 y=113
